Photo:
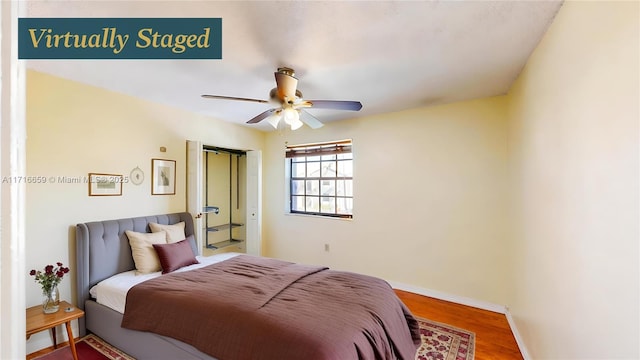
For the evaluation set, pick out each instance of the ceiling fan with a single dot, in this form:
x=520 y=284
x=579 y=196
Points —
x=291 y=104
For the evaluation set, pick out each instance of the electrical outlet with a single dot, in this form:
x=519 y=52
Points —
x=326 y=247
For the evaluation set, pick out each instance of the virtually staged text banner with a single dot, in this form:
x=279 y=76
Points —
x=120 y=38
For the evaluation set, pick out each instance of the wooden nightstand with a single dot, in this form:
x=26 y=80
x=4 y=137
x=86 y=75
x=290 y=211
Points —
x=39 y=321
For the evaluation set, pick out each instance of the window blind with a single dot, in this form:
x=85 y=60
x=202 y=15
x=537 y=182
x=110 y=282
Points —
x=319 y=149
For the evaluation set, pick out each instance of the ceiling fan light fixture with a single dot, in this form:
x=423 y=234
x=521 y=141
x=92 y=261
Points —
x=292 y=118
x=296 y=125
x=274 y=119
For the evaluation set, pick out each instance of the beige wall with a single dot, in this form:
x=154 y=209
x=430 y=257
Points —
x=74 y=129
x=574 y=154
x=429 y=200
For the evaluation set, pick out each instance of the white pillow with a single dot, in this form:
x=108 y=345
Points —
x=144 y=255
x=174 y=232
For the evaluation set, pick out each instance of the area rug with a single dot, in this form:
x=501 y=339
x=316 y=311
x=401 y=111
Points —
x=444 y=342
x=89 y=347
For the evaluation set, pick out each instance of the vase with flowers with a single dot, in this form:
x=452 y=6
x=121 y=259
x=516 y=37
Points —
x=49 y=280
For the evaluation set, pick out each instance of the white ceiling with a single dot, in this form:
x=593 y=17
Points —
x=389 y=55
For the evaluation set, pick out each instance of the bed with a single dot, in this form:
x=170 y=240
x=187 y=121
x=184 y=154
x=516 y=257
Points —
x=382 y=329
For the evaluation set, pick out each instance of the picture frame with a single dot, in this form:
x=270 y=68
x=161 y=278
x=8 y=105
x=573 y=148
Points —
x=105 y=184
x=163 y=177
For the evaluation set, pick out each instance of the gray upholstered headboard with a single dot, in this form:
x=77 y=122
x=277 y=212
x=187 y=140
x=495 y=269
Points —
x=102 y=248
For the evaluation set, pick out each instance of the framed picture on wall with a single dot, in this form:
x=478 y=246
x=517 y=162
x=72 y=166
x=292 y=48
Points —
x=105 y=184
x=163 y=177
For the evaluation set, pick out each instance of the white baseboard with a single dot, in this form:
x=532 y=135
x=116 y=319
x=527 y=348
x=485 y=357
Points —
x=501 y=309
x=484 y=305
x=516 y=334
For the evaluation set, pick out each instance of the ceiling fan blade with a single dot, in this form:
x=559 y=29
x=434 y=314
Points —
x=310 y=120
x=286 y=85
x=206 y=96
x=261 y=116
x=336 y=104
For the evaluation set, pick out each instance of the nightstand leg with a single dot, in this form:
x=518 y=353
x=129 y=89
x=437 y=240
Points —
x=53 y=332
x=72 y=343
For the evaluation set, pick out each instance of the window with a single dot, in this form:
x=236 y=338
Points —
x=321 y=179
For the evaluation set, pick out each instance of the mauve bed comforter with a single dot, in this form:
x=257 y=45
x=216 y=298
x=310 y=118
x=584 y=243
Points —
x=257 y=308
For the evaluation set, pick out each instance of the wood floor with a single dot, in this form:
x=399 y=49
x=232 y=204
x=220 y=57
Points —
x=494 y=339
x=48 y=350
